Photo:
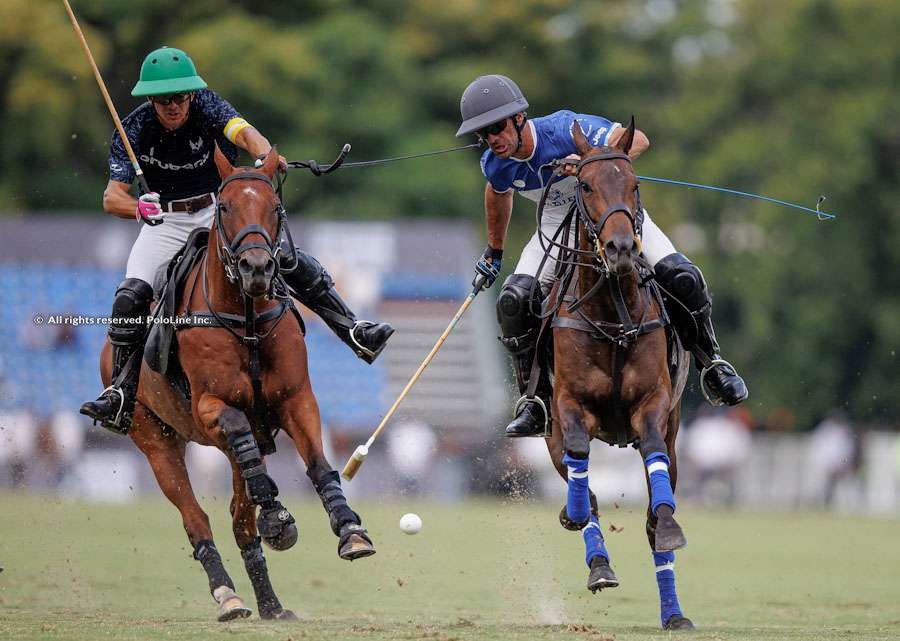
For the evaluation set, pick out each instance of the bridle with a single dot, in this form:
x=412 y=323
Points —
x=594 y=229
x=230 y=250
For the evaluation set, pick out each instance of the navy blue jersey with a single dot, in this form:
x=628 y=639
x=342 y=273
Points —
x=552 y=140
x=178 y=164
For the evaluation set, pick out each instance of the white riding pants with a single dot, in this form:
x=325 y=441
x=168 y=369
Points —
x=157 y=244
x=654 y=242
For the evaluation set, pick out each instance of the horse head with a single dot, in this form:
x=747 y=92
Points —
x=607 y=200
x=248 y=209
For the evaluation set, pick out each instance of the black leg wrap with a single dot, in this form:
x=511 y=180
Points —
x=275 y=523
x=328 y=487
x=260 y=486
x=208 y=555
x=266 y=600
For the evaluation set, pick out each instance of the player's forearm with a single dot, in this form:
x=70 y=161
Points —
x=253 y=142
x=119 y=203
x=498 y=210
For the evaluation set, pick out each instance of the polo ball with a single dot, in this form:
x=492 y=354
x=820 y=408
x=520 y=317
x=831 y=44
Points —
x=410 y=523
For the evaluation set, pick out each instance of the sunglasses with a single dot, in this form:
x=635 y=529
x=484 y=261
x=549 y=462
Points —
x=492 y=130
x=177 y=98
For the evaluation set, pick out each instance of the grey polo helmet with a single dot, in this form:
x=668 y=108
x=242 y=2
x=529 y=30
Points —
x=489 y=99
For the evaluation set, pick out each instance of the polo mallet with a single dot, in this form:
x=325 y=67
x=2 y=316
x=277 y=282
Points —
x=109 y=103
x=359 y=455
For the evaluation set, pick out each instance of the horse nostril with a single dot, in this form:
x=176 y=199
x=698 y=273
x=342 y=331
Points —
x=270 y=267
x=244 y=266
x=611 y=247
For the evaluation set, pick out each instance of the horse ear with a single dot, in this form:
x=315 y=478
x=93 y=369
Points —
x=624 y=143
x=270 y=164
x=222 y=164
x=582 y=146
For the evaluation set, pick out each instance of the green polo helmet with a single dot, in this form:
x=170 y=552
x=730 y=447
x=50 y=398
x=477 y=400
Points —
x=165 y=71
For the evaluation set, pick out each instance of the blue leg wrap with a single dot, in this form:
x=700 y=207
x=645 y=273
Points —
x=593 y=541
x=660 y=483
x=578 y=501
x=665 y=580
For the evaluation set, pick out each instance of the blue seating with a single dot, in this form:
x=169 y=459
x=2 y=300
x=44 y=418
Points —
x=43 y=378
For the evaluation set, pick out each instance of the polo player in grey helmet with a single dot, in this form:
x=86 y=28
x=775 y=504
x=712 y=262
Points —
x=518 y=160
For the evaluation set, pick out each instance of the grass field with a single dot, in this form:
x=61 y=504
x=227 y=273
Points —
x=478 y=571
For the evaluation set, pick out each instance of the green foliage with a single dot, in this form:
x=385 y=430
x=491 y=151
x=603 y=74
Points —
x=789 y=99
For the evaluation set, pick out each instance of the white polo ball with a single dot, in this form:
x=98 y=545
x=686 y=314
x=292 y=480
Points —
x=410 y=523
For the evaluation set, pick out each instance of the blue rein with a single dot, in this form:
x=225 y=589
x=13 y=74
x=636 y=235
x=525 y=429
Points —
x=821 y=215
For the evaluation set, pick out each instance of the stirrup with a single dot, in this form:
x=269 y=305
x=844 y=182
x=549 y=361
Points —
x=708 y=393
x=536 y=399
x=114 y=425
x=364 y=350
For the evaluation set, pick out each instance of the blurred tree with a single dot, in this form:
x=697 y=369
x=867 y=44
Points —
x=788 y=99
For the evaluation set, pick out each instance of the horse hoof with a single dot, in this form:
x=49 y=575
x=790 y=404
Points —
x=568 y=523
x=601 y=576
x=678 y=622
x=284 y=540
x=277 y=527
x=668 y=535
x=231 y=606
x=355 y=543
x=280 y=615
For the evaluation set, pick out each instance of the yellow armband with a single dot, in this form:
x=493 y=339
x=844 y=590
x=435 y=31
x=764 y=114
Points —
x=234 y=127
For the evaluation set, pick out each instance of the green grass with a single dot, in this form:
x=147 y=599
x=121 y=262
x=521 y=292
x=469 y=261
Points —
x=478 y=571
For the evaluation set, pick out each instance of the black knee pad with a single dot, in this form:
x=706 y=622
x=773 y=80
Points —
x=133 y=298
x=309 y=279
x=683 y=280
x=518 y=311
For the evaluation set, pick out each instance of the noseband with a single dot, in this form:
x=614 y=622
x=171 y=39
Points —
x=594 y=229
x=230 y=250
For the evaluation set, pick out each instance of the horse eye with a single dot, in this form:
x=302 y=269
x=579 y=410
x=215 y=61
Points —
x=586 y=188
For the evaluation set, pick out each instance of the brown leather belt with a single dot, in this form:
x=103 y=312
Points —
x=189 y=206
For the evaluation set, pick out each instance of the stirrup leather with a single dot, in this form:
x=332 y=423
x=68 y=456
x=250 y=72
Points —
x=536 y=399
x=708 y=393
x=365 y=350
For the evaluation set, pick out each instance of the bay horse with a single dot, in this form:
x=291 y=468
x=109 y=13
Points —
x=240 y=386
x=611 y=365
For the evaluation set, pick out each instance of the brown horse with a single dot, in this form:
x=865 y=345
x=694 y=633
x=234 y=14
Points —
x=612 y=375
x=245 y=361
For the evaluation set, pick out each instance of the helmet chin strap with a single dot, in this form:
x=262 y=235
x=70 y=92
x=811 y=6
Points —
x=519 y=128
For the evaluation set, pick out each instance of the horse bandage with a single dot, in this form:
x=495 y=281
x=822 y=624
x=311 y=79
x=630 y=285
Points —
x=233 y=127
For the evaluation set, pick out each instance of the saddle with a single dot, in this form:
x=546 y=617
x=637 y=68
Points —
x=161 y=348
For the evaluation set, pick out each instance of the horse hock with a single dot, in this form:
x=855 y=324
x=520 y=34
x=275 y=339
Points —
x=275 y=523
x=353 y=540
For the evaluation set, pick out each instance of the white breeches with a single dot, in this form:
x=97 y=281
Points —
x=654 y=242
x=157 y=244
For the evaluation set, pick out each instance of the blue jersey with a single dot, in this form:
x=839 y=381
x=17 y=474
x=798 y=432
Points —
x=552 y=140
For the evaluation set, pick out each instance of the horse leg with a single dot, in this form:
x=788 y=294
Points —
x=670 y=613
x=649 y=422
x=164 y=450
x=300 y=419
x=275 y=524
x=579 y=511
x=242 y=512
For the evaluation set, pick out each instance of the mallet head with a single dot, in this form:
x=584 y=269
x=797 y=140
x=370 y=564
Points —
x=354 y=462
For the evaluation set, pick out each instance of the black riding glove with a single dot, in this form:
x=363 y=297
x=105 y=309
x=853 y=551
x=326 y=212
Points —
x=488 y=266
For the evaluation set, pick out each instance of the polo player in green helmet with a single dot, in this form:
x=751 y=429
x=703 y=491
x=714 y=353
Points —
x=174 y=135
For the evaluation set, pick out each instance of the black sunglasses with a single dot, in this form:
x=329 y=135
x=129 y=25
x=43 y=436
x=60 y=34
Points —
x=177 y=98
x=492 y=130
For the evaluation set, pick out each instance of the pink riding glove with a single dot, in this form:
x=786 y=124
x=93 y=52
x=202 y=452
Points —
x=148 y=209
